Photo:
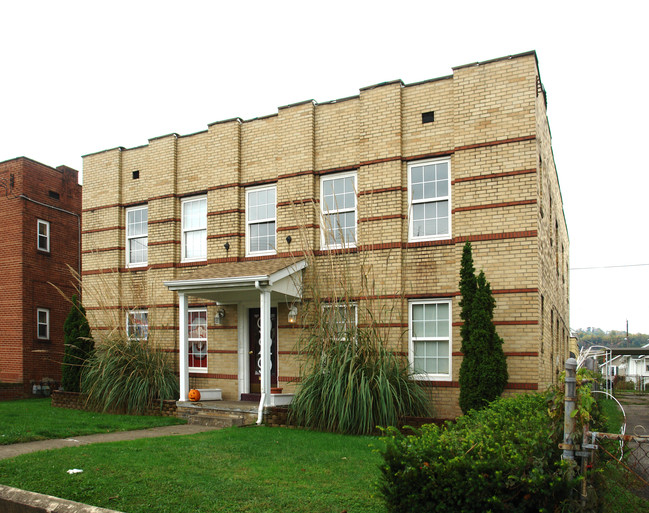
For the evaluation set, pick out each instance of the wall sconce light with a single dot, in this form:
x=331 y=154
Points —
x=218 y=318
x=292 y=314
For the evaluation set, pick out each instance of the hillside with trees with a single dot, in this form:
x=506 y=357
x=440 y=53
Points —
x=598 y=337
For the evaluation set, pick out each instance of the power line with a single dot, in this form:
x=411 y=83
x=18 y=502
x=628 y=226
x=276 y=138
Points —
x=607 y=267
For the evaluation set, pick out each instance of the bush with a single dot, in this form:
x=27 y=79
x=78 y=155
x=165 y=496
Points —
x=130 y=375
x=501 y=458
x=78 y=346
x=356 y=386
x=483 y=372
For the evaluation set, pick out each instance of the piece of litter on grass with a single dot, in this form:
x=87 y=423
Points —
x=75 y=471
x=72 y=440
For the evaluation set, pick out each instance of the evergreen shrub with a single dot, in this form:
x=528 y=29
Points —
x=127 y=374
x=503 y=458
x=79 y=346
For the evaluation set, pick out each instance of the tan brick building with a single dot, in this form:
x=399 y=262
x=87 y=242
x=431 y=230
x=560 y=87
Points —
x=203 y=235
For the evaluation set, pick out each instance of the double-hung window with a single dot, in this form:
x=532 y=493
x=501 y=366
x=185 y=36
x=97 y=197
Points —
x=43 y=323
x=429 y=200
x=137 y=324
x=430 y=339
x=338 y=210
x=194 y=228
x=197 y=339
x=342 y=319
x=43 y=238
x=137 y=236
x=261 y=220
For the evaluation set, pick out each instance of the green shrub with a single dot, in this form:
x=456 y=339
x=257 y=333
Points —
x=355 y=385
x=130 y=375
x=501 y=458
x=78 y=346
x=483 y=372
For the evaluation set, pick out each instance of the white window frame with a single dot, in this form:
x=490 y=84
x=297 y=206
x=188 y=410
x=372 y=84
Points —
x=203 y=256
x=142 y=314
x=193 y=340
x=324 y=229
x=411 y=340
x=438 y=199
x=343 y=306
x=46 y=235
x=45 y=311
x=249 y=223
x=130 y=237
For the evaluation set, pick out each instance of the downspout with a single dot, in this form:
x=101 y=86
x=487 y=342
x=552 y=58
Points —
x=262 y=400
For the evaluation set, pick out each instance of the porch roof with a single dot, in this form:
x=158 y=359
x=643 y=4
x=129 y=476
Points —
x=231 y=282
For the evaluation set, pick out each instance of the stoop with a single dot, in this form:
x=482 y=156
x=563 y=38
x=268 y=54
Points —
x=218 y=413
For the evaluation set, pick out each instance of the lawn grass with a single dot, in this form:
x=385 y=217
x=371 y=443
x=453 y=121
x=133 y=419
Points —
x=613 y=416
x=35 y=419
x=252 y=469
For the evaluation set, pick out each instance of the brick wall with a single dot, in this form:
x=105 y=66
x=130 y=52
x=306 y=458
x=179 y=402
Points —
x=490 y=125
x=77 y=401
x=29 y=272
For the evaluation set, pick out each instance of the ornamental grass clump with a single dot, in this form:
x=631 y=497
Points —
x=353 y=375
x=355 y=385
x=127 y=374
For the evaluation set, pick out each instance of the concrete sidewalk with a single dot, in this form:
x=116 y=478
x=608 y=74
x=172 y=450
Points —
x=9 y=451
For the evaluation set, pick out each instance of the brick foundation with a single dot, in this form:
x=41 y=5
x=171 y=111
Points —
x=77 y=401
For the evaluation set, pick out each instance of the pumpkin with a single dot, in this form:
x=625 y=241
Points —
x=194 y=395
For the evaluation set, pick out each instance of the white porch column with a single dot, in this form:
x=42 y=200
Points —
x=264 y=341
x=264 y=306
x=182 y=357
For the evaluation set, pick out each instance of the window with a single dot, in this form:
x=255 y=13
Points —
x=194 y=224
x=43 y=239
x=342 y=318
x=43 y=323
x=338 y=204
x=197 y=339
x=137 y=324
x=429 y=200
x=137 y=236
x=260 y=220
x=430 y=339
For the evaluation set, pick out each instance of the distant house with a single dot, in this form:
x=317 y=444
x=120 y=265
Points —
x=204 y=234
x=40 y=210
x=630 y=367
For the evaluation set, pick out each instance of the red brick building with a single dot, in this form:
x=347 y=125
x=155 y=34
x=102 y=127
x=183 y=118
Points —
x=39 y=221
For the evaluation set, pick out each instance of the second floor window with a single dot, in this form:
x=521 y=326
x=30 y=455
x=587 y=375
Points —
x=338 y=209
x=430 y=200
x=137 y=236
x=43 y=241
x=194 y=227
x=260 y=220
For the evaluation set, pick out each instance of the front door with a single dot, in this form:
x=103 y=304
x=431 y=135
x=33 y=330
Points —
x=254 y=328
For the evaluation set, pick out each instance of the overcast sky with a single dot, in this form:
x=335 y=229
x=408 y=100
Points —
x=80 y=77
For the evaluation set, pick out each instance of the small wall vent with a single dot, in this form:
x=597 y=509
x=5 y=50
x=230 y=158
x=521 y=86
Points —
x=136 y=175
x=54 y=195
x=428 y=117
